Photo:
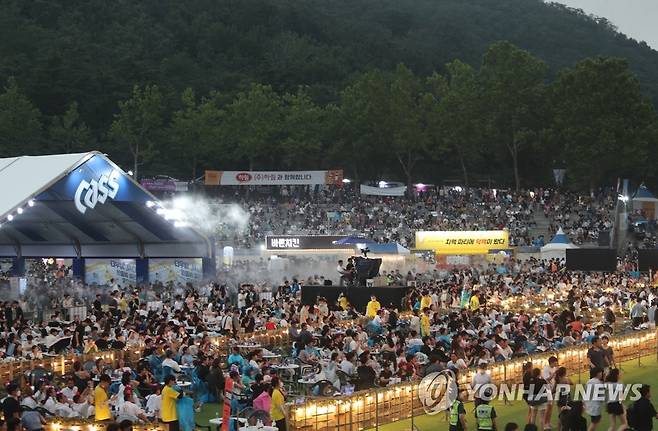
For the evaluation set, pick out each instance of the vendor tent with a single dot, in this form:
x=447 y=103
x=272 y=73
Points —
x=556 y=249
x=645 y=201
x=84 y=206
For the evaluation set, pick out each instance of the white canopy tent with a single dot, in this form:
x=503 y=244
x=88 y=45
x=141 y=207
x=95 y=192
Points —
x=556 y=249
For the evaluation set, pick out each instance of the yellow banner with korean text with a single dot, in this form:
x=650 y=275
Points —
x=462 y=242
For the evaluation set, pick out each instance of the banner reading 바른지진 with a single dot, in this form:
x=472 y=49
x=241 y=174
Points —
x=462 y=242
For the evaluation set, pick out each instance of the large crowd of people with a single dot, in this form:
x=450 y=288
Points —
x=452 y=319
x=395 y=219
x=458 y=319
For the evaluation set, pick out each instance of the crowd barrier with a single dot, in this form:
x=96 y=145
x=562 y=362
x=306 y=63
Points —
x=380 y=406
x=90 y=425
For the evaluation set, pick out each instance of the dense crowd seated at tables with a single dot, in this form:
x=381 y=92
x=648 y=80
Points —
x=395 y=219
x=453 y=319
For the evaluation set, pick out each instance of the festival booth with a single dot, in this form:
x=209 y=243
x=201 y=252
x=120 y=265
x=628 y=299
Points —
x=557 y=248
x=85 y=208
x=646 y=202
x=464 y=248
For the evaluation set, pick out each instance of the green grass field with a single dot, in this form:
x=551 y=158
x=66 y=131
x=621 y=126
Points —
x=646 y=373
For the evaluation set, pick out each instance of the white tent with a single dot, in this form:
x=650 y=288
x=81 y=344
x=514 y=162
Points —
x=556 y=249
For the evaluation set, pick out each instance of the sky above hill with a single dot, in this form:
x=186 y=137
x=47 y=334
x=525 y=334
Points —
x=635 y=18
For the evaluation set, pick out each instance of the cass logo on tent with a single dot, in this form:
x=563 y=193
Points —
x=88 y=194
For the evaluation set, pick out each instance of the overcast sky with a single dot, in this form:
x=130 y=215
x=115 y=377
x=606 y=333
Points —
x=635 y=18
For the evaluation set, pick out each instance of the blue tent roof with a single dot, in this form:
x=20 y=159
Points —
x=388 y=248
x=560 y=238
x=353 y=240
x=643 y=193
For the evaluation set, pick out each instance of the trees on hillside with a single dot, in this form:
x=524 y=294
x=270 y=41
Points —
x=20 y=123
x=603 y=124
x=505 y=120
x=514 y=94
x=138 y=127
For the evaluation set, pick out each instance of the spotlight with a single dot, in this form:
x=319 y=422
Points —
x=130 y=173
x=30 y=203
x=160 y=211
x=150 y=204
x=10 y=217
x=382 y=184
x=346 y=181
x=20 y=210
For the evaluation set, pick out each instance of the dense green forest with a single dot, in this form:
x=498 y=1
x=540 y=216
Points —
x=414 y=90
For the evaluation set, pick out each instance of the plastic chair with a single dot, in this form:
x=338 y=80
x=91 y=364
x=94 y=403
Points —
x=343 y=378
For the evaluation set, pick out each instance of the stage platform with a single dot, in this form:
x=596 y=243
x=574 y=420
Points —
x=358 y=296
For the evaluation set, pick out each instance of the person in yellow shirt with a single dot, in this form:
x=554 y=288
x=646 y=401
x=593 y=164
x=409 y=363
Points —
x=475 y=302
x=373 y=307
x=277 y=412
x=169 y=397
x=343 y=303
x=425 y=323
x=102 y=400
x=425 y=301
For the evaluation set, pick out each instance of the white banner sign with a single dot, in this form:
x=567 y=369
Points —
x=273 y=178
x=383 y=191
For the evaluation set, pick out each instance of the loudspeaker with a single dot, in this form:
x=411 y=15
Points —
x=327 y=282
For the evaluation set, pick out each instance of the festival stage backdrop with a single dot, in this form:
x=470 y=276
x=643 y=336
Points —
x=176 y=270
x=462 y=242
x=101 y=271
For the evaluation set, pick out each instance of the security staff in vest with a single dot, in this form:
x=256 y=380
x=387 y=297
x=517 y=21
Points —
x=485 y=415
x=458 y=415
